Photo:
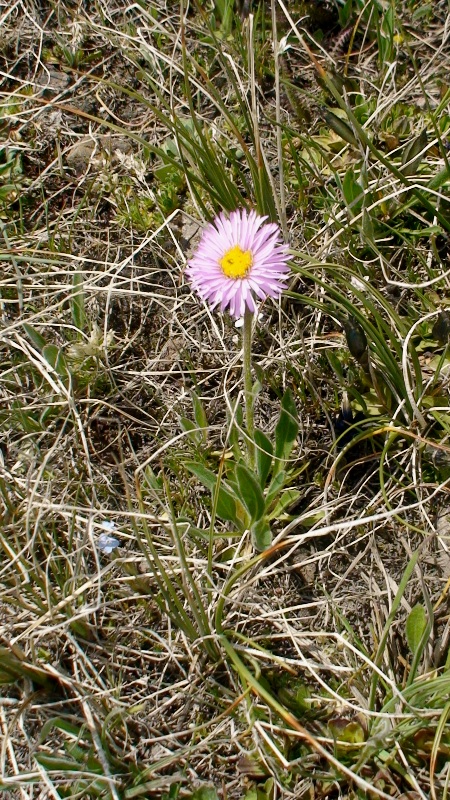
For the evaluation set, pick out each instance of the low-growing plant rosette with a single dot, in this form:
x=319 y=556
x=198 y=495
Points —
x=240 y=259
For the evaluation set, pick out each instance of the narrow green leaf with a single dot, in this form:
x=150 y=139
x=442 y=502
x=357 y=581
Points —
x=439 y=179
x=200 y=415
x=60 y=723
x=51 y=353
x=152 y=480
x=275 y=487
x=55 y=357
x=226 y=504
x=288 y=498
x=413 y=153
x=367 y=225
x=205 y=793
x=336 y=366
x=4 y=168
x=286 y=430
x=205 y=475
x=77 y=302
x=199 y=411
x=154 y=788
x=13 y=668
x=56 y=762
x=447 y=661
x=416 y=624
x=61 y=764
x=353 y=192
x=348 y=731
x=26 y=419
x=235 y=421
x=8 y=192
x=340 y=127
x=187 y=425
x=190 y=427
x=385 y=36
x=388 y=623
x=37 y=338
x=261 y=535
x=250 y=492
x=264 y=453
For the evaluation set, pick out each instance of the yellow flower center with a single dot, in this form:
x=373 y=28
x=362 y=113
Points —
x=236 y=262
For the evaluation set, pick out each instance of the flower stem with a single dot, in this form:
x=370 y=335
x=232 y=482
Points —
x=248 y=385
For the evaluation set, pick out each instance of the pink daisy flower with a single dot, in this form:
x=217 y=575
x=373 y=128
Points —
x=239 y=257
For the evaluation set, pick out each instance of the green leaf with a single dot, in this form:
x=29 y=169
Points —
x=190 y=427
x=235 y=421
x=57 y=763
x=250 y=492
x=154 y=788
x=4 y=168
x=205 y=475
x=77 y=302
x=275 y=487
x=264 y=453
x=261 y=792
x=261 y=534
x=165 y=174
x=205 y=793
x=55 y=357
x=336 y=366
x=37 y=338
x=447 y=661
x=295 y=695
x=413 y=153
x=8 y=192
x=314 y=519
x=13 y=668
x=348 y=732
x=415 y=627
x=152 y=480
x=226 y=504
x=340 y=127
x=438 y=180
x=288 y=498
x=187 y=425
x=286 y=430
x=256 y=390
x=199 y=411
x=345 y=12
x=200 y=415
x=61 y=724
x=26 y=419
x=353 y=192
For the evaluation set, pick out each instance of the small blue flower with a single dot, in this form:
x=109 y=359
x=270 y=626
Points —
x=108 y=525
x=107 y=543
